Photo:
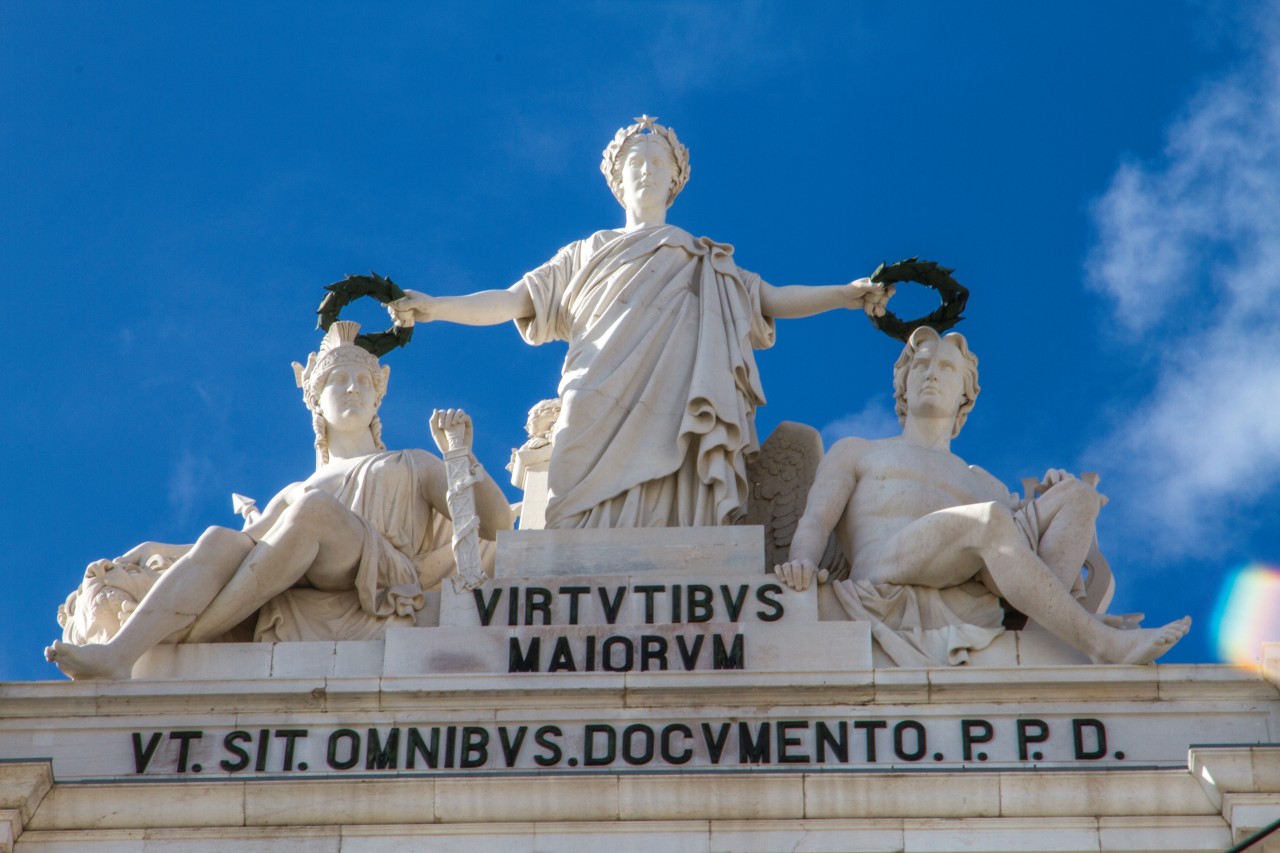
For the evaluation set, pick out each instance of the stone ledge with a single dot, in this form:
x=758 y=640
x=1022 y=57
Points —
x=24 y=785
x=802 y=686
x=611 y=797
x=765 y=835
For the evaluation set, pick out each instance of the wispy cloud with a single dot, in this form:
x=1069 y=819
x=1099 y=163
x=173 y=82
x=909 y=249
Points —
x=876 y=420
x=698 y=44
x=188 y=480
x=1189 y=251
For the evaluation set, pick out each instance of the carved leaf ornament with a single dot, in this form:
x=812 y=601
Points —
x=342 y=293
x=953 y=294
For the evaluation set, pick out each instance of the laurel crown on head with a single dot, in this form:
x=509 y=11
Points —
x=337 y=348
x=611 y=162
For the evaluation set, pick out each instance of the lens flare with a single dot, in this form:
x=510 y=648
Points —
x=1247 y=613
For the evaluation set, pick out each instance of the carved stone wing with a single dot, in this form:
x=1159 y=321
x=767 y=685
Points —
x=780 y=477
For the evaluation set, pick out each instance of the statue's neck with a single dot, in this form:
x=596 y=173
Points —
x=638 y=218
x=350 y=445
x=933 y=433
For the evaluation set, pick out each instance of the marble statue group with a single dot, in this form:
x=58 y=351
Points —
x=654 y=427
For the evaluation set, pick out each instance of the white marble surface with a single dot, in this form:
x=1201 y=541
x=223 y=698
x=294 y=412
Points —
x=696 y=812
x=936 y=544
x=677 y=550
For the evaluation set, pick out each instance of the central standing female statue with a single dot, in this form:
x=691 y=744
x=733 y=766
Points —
x=660 y=386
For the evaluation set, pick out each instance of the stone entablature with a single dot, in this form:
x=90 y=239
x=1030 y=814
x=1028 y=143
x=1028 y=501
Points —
x=85 y=789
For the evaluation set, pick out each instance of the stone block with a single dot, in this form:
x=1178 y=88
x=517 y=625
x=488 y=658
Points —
x=328 y=802
x=1198 y=682
x=1156 y=792
x=622 y=836
x=736 y=551
x=636 y=599
x=829 y=607
x=294 y=839
x=1250 y=813
x=349 y=659
x=1069 y=684
x=205 y=661
x=711 y=797
x=782 y=646
x=807 y=836
x=22 y=786
x=429 y=615
x=302 y=659
x=1271 y=663
x=1050 y=835
x=118 y=806
x=1141 y=834
x=85 y=841
x=355 y=658
x=1222 y=770
x=1266 y=768
x=453 y=838
x=900 y=795
x=668 y=836
x=552 y=798
x=1037 y=647
x=896 y=685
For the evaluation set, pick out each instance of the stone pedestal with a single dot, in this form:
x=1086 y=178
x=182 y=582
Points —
x=636 y=692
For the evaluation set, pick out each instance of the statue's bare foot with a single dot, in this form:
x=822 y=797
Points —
x=1143 y=645
x=88 y=661
x=1123 y=621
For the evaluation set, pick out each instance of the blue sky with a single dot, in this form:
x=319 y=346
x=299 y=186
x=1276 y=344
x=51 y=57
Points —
x=182 y=179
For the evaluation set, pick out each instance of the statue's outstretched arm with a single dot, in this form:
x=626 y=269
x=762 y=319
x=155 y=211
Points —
x=483 y=308
x=799 y=300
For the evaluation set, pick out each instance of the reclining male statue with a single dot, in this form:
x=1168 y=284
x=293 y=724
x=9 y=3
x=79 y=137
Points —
x=368 y=521
x=920 y=527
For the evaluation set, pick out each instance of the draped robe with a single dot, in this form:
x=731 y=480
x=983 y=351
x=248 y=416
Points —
x=401 y=532
x=659 y=386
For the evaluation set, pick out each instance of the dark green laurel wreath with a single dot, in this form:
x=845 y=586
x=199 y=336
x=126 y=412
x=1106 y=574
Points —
x=954 y=295
x=341 y=293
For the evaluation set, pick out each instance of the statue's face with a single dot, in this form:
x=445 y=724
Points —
x=935 y=381
x=349 y=399
x=647 y=173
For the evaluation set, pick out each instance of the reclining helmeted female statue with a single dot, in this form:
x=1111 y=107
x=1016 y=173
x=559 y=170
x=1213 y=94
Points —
x=340 y=555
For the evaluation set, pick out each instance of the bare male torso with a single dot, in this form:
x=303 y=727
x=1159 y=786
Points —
x=903 y=492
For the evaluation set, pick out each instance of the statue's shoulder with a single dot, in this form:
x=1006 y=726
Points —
x=853 y=448
x=715 y=247
x=579 y=250
x=419 y=457
x=410 y=457
x=998 y=489
x=596 y=240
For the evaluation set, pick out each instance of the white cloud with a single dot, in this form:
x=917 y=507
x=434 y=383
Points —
x=876 y=420
x=1189 y=251
x=187 y=480
x=697 y=45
